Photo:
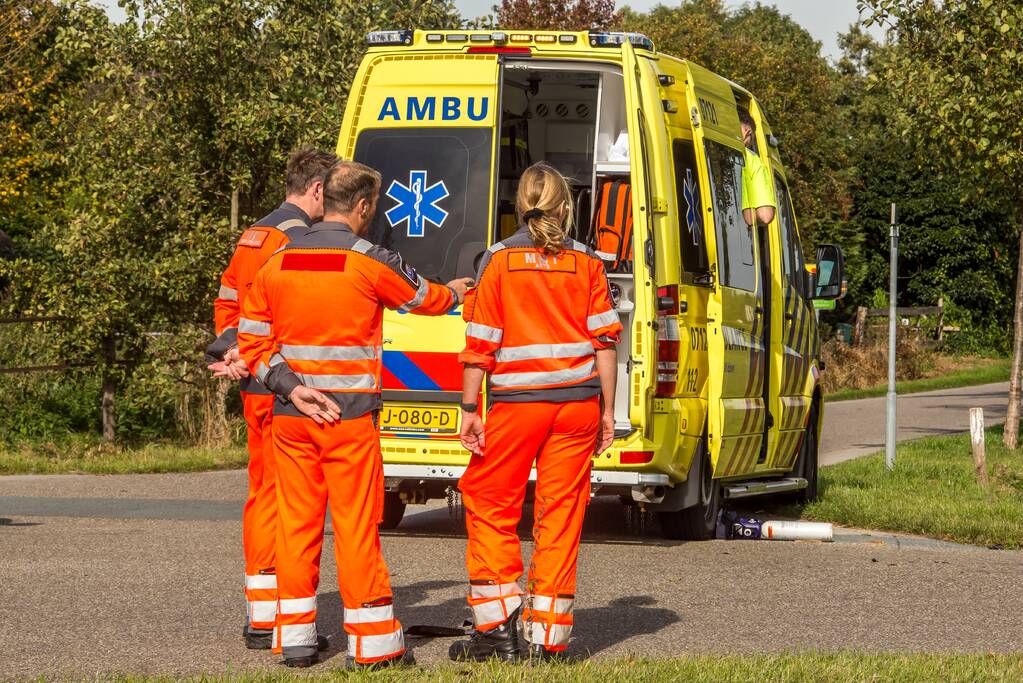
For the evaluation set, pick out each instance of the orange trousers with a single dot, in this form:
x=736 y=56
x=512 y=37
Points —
x=259 y=519
x=339 y=463
x=560 y=438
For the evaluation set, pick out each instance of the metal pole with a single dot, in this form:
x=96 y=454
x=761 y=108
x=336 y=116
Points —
x=889 y=452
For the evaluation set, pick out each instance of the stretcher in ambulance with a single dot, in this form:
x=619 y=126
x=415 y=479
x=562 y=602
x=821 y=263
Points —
x=718 y=394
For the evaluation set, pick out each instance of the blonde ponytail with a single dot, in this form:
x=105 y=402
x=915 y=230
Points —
x=544 y=205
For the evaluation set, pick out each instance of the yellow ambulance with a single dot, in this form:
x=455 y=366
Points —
x=718 y=395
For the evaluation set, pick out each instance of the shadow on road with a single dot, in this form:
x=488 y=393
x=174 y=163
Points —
x=598 y=628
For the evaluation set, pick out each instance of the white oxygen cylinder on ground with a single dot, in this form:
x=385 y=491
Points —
x=776 y=530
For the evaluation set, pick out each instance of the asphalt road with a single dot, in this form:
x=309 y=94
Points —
x=855 y=428
x=141 y=574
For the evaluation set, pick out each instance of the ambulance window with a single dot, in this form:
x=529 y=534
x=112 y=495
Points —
x=692 y=247
x=736 y=265
x=435 y=199
x=792 y=254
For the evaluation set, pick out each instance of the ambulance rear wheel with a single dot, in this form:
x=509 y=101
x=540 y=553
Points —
x=699 y=522
x=806 y=465
x=394 y=510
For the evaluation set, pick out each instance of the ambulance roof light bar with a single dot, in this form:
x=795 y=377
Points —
x=616 y=39
x=399 y=37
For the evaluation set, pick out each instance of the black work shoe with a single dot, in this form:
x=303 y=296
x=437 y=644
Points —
x=258 y=640
x=264 y=641
x=301 y=662
x=501 y=642
x=404 y=659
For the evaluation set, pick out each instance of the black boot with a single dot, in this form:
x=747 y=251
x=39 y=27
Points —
x=263 y=640
x=539 y=654
x=404 y=659
x=501 y=642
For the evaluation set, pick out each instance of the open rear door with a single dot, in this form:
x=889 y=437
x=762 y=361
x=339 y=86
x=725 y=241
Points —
x=427 y=123
x=643 y=373
x=736 y=411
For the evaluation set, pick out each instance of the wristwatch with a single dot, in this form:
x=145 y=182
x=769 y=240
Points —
x=470 y=407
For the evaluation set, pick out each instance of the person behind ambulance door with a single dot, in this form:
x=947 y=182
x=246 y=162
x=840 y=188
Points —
x=302 y=205
x=542 y=326
x=311 y=331
x=757 y=192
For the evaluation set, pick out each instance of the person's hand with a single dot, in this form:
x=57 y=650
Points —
x=472 y=433
x=219 y=369
x=606 y=432
x=461 y=285
x=312 y=403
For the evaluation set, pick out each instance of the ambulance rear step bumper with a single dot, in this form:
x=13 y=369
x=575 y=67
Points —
x=746 y=489
x=599 y=477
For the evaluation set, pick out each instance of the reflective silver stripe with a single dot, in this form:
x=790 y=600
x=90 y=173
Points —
x=417 y=301
x=548 y=635
x=362 y=246
x=257 y=327
x=261 y=372
x=227 y=293
x=484 y=332
x=276 y=359
x=339 y=382
x=298 y=605
x=543 y=603
x=599 y=320
x=496 y=247
x=293 y=223
x=494 y=611
x=528 y=379
x=297 y=635
x=256 y=581
x=533 y=351
x=604 y=256
x=262 y=611
x=494 y=590
x=578 y=246
x=368 y=615
x=311 y=352
x=375 y=647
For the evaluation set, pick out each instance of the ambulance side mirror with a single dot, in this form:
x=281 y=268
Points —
x=829 y=281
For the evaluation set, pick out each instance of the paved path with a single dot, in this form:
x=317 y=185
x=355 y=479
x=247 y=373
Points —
x=855 y=428
x=141 y=574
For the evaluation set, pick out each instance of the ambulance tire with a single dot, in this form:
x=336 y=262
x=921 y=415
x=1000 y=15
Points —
x=806 y=465
x=394 y=510
x=698 y=522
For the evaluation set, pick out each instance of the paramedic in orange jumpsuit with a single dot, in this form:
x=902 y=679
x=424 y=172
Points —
x=542 y=325
x=303 y=204
x=311 y=331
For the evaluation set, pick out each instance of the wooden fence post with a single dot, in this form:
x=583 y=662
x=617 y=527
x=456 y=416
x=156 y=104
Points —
x=977 y=439
x=861 y=325
x=107 y=402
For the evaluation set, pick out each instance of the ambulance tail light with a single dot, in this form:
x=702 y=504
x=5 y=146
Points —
x=379 y=38
x=635 y=457
x=668 y=348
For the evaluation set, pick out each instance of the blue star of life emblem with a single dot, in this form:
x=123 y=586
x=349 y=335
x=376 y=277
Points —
x=417 y=203
x=692 y=206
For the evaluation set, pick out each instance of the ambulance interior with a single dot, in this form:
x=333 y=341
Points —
x=573 y=117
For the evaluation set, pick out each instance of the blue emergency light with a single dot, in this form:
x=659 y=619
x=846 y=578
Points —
x=616 y=39
x=399 y=37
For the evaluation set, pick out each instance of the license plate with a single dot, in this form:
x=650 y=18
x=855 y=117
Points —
x=415 y=419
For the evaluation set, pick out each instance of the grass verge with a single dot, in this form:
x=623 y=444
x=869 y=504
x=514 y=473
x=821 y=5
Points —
x=788 y=668
x=81 y=454
x=997 y=370
x=932 y=491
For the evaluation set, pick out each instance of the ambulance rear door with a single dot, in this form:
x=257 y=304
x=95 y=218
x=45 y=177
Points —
x=640 y=93
x=735 y=314
x=426 y=121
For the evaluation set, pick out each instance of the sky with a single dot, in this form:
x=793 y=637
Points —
x=824 y=19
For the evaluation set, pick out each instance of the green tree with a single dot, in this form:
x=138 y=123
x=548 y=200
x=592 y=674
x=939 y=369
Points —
x=183 y=106
x=565 y=15
x=958 y=70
